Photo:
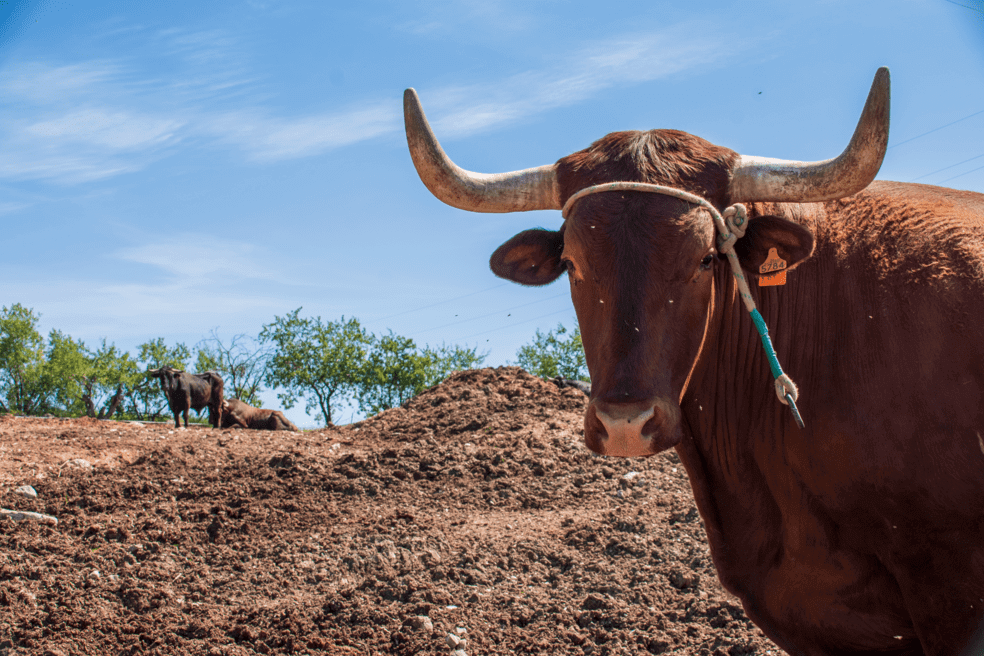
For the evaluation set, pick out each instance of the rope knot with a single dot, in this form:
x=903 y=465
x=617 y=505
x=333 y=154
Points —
x=736 y=220
x=784 y=386
x=736 y=217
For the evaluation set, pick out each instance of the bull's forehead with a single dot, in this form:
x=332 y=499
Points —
x=634 y=251
x=663 y=157
x=615 y=223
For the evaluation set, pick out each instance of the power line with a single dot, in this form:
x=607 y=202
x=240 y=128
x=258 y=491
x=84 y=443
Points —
x=962 y=174
x=948 y=167
x=490 y=314
x=919 y=136
x=978 y=10
x=518 y=323
x=456 y=298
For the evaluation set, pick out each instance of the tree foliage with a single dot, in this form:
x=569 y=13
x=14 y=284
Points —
x=242 y=364
x=396 y=370
x=556 y=353
x=144 y=399
x=67 y=363
x=321 y=362
x=21 y=359
x=393 y=369
x=443 y=360
x=111 y=374
x=35 y=377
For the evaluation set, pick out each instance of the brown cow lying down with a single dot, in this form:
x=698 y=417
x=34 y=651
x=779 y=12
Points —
x=243 y=415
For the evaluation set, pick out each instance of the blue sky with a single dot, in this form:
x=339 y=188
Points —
x=171 y=168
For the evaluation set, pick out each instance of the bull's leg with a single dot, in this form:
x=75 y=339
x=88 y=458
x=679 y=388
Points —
x=186 y=409
x=177 y=417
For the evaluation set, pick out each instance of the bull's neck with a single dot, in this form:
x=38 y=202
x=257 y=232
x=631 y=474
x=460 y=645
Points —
x=731 y=414
x=730 y=402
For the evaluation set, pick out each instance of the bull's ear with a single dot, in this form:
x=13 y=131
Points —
x=793 y=243
x=530 y=258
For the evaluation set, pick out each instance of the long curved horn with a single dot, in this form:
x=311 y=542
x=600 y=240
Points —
x=766 y=179
x=518 y=191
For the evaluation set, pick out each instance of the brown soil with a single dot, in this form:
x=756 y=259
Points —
x=476 y=510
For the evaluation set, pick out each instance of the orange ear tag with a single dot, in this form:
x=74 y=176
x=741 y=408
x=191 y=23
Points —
x=773 y=270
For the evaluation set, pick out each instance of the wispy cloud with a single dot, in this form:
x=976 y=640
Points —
x=618 y=62
x=83 y=145
x=140 y=311
x=94 y=120
x=448 y=17
x=188 y=263
x=77 y=123
x=7 y=208
x=117 y=130
x=224 y=279
x=44 y=84
x=63 y=167
x=267 y=138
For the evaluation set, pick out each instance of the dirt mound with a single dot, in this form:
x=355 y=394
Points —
x=475 y=510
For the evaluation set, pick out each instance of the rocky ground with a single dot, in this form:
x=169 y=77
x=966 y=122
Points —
x=473 y=519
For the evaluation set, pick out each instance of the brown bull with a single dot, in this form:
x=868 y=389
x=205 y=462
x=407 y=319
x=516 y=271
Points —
x=863 y=532
x=186 y=391
x=238 y=413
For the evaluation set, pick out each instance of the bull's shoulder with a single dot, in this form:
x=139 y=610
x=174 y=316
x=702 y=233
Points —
x=210 y=377
x=968 y=204
x=908 y=212
x=907 y=233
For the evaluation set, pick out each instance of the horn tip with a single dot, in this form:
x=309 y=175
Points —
x=879 y=97
x=412 y=110
x=882 y=78
x=410 y=99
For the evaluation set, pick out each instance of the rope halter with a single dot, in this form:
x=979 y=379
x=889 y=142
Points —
x=731 y=225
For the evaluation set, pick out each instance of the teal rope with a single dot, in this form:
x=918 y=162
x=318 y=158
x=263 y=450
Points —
x=770 y=352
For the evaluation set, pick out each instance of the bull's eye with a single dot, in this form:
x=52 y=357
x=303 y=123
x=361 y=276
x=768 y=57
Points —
x=568 y=266
x=706 y=263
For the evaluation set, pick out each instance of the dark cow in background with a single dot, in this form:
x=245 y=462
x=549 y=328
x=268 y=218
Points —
x=186 y=391
x=562 y=382
x=863 y=532
x=241 y=414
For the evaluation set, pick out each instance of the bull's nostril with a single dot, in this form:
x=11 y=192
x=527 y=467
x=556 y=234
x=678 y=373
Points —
x=631 y=429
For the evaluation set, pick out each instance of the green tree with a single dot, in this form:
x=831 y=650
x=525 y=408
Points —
x=392 y=373
x=242 y=364
x=111 y=375
x=145 y=400
x=444 y=360
x=317 y=361
x=36 y=377
x=21 y=360
x=555 y=354
x=397 y=370
x=66 y=366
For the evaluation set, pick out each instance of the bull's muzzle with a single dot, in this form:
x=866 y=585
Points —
x=628 y=430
